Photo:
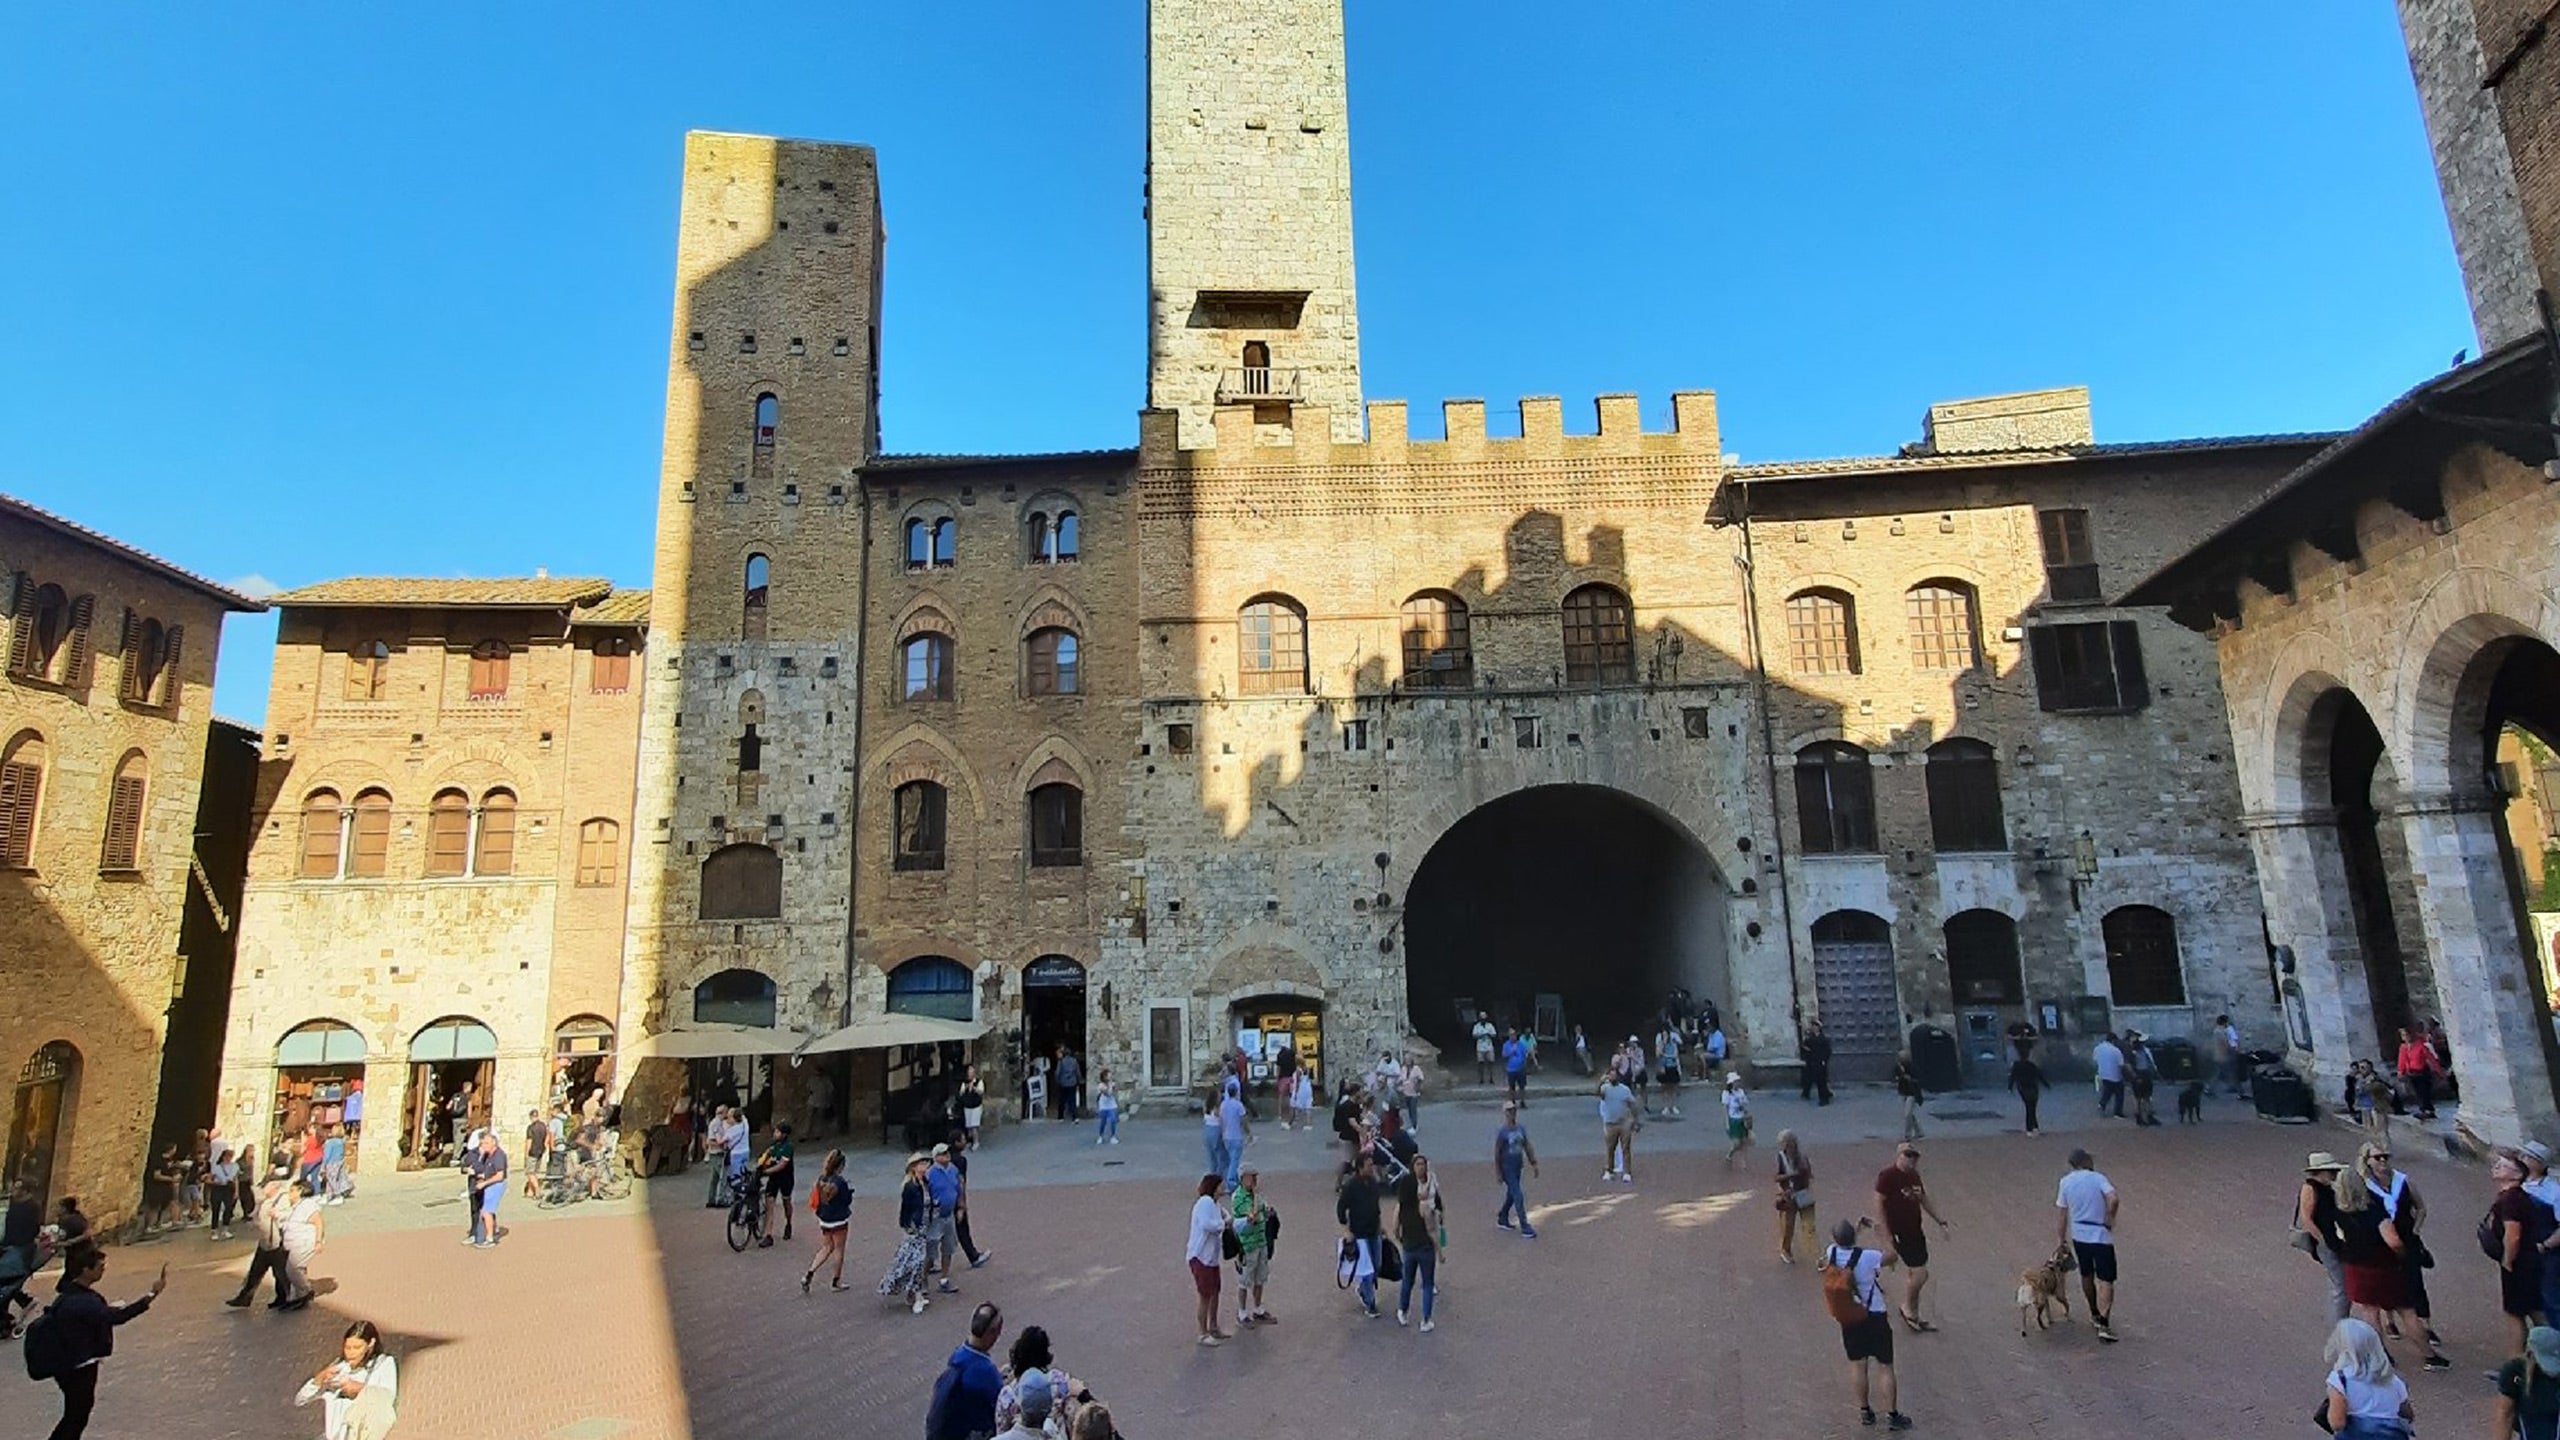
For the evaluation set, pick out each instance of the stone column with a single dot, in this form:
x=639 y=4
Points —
x=2501 y=1036
x=2302 y=876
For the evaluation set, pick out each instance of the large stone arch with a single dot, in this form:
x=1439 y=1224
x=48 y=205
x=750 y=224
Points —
x=2284 y=772
x=1262 y=960
x=2440 y=699
x=1424 y=827
x=920 y=752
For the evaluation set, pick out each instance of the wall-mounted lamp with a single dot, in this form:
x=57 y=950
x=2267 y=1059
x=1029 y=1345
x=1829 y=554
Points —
x=2084 y=865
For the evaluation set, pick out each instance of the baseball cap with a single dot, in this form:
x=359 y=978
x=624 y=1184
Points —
x=1037 y=1395
x=2544 y=1342
x=2540 y=1152
x=941 y=1150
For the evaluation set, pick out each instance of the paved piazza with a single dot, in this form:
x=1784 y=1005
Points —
x=1631 y=1306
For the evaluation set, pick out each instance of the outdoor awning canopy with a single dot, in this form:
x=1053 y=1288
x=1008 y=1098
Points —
x=706 y=1042
x=883 y=1032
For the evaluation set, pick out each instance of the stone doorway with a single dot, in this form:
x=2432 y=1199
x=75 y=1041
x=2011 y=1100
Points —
x=1855 y=993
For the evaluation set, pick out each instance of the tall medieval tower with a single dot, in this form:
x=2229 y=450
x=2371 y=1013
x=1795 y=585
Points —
x=1250 y=290
x=745 y=851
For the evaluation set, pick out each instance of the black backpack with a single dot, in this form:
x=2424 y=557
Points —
x=46 y=1355
x=2539 y=1222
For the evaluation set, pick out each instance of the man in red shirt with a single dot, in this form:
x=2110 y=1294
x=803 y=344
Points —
x=1903 y=1200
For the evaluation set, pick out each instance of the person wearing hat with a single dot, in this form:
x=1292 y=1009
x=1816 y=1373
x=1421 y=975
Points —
x=2529 y=1387
x=1036 y=1399
x=2539 y=1182
x=2315 y=1224
x=942 y=1234
x=1737 y=1118
x=907 y=1267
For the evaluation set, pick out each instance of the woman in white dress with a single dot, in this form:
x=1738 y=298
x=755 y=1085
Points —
x=356 y=1391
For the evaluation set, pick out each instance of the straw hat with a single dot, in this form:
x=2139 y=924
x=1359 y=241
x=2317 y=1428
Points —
x=2322 y=1160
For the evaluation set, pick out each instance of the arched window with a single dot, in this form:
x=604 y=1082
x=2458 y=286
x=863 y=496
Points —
x=1822 y=632
x=1964 y=797
x=1942 y=625
x=1052 y=662
x=1070 y=537
x=921 y=808
x=43 y=623
x=1982 y=959
x=759 y=593
x=946 y=541
x=919 y=544
x=1439 y=653
x=21 y=797
x=925 y=667
x=448 y=835
x=369 y=848
x=1053 y=536
x=489 y=670
x=1271 y=647
x=1599 y=637
x=368 y=670
x=2142 y=957
x=1836 y=799
x=1057 y=826
x=932 y=985
x=768 y=428
x=734 y=997
x=320 y=1042
x=599 y=852
x=742 y=882
x=123 y=848
x=493 y=852
x=146 y=660
x=323 y=834
x=453 y=1039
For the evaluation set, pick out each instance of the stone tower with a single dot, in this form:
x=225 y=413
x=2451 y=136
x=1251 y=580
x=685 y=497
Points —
x=1250 y=290
x=743 y=856
x=2474 y=166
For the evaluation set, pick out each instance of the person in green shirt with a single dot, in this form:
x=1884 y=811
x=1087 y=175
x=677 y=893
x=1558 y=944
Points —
x=1253 y=1248
x=774 y=1168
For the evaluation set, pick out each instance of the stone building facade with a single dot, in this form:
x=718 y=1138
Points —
x=2486 y=72
x=440 y=867
x=104 y=709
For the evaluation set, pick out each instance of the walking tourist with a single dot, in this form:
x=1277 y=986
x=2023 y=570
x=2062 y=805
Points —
x=2376 y=1254
x=1484 y=1036
x=942 y=1235
x=973 y=1104
x=2228 y=1056
x=1069 y=1073
x=2085 y=1219
x=913 y=1258
x=831 y=1201
x=2109 y=1057
x=2366 y=1400
x=1617 y=1130
x=2142 y=1073
x=1284 y=1081
x=960 y=1219
x=1737 y=1118
x=964 y=1394
x=335 y=1187
x=20 y=1257
x=1252 y=1224
x=2525 y=1232
x=1853 y=1290
x=1213 y=1152
x=1795 y=1196
x=1813 y=1048
x=2407 y=1211
x=1515 y=1064
x=1512 y=1152
x=222 y=1191
x=1638 y=1074
x=1235 y=1131
x=303 y=1231
x=2315 y=1224
x=160 y=1192
x=78 y=1331
x=1666 y=1048
x=1581 y=1052
x=1418 y=1223
x=1906 y=1083
x=537 y=1141
x=266 y=1219
x=1356 y=1208
x=1106 y=1111
x=2419 y=1071
x=1205 y=1253
x=358 y=1390
x=2529 y=1388
x=1304 y=1099
x=1409 y=1092
x=2028 y=1081
x=776 y=1174
x=487 y=1167
x=1902 y=1198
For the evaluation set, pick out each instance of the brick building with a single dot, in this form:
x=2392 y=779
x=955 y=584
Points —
x=436 y=888
x=104 y=712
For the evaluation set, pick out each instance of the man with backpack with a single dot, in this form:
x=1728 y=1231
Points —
x=964 y=1395
x=1853 y=1291
x=66 y=1342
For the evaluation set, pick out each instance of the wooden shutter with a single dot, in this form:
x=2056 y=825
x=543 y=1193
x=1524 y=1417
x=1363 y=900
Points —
x=75 y=668
x=1813 y=807
x=448 y=834
x=369 y=858
x=123 y=849
x=2044 y=648
x=2133 y=689
x=173 y=644
x=130 y=687
x=22 y=622
x=322 y=833
x=496 y=852
x=21 y=787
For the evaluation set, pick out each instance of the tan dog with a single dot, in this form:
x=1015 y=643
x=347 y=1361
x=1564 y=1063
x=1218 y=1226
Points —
x=2041 y=1291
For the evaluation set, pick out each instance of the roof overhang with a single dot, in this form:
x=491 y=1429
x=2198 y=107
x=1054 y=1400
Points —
x=44 y=519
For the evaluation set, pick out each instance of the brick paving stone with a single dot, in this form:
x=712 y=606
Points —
x=1633 y=1305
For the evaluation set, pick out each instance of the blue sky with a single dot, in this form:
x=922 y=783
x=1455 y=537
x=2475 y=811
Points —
x=303 y=290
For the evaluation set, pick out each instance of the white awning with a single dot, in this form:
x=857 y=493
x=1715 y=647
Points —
x=704 y=1042
x=882 y=1032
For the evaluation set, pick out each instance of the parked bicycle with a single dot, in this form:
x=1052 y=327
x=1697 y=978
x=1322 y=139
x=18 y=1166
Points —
x=569 y=1181
x=746 y=1213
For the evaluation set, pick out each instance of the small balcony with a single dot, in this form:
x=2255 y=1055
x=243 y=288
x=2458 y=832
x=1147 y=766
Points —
x=1249 y=386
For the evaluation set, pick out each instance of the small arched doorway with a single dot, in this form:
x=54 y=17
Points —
x=1858 y=999
x=1558 y=906
x=40 y=1118
x=319 y=1081
x=451 y=1065
x=1053 y=1016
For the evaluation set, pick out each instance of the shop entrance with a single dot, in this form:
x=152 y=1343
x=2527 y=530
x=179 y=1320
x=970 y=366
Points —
x=1576 y=891
x=1053 y=1016
x=319 y=1081
x=39 y=1120
x=581 y=1060
x=1269 y=1024
x=451 y=1065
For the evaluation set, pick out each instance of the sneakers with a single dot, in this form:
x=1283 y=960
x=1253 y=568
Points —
x=1426 y=1327
x=805 y=1279
x=1400 y=1317
x=1896 y=1420
x=2436 y=1361
x=1528 y=1234
x=1115 y=1139
x=2106 y=1332
x=1210 y=1341
x=1505 y=1224
x=917 y=1308
x=948 y=1288
x=981 y=1258
x=1370 y=1311
x=1866 y=1416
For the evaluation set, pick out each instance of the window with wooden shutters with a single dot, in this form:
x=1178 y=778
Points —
x=169 y=683
x=22 y=622
x=369 y=670
x=77 y=652
x=489 y=670
x=1942 y=625
x=599 y=852
x=494 y=851
x=2142 y=957
x=1439 y=650
x=448 y=835
x=129 y=661
x=1271 y=647
x=123 y=848
x=21 y=796
x=1052 y=667
x=2094 y=668
x=1044 y=538
x=1836 y=799
x=1982 y=959
x=2070 y=562
x=42 y=623
x=1057 y=826
x=324 y=835
x=369 y=844
x=1822 y=632
x=146 y=660
x=743 y=882
x=1599 y=637
x=1964 y=797
x=920 y=807
x=609 y=667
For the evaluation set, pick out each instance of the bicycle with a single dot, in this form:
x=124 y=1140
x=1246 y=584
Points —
x=568 y=1185
x=746 y=1214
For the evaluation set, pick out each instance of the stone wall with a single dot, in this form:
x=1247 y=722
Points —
x=2475 y=161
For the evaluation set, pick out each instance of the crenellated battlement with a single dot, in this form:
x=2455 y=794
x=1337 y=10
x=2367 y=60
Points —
x=1243 y=438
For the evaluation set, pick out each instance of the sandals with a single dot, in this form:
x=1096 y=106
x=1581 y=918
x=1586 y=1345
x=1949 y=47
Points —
x=1915 y=1324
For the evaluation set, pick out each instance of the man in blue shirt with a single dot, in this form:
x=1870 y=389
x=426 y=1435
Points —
x=941 y=1236
x=964 y=1396
x=1234 y=1130
x=1511 y=1151
x=1515 y=1065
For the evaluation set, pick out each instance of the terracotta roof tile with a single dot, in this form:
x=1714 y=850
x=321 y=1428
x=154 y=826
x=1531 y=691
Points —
x=37 y=515
x=622 y=607
x=1990 y=459
x=535 y=593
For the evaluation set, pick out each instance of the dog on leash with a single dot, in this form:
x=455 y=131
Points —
x=2041 y=1292
x=2191 y=1103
